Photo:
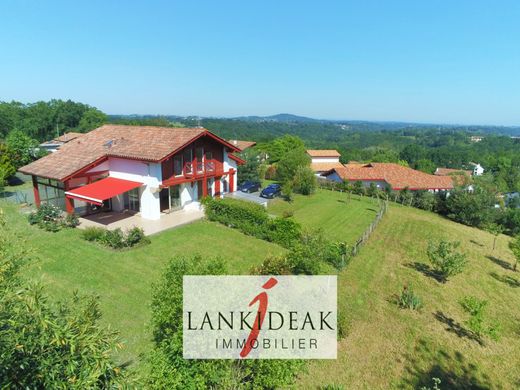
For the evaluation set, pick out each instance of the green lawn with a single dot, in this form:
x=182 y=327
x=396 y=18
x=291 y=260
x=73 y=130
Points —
x=341 y=218
x=387 y=347
x=123 y=279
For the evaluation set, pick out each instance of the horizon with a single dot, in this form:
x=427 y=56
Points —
x=440 y=64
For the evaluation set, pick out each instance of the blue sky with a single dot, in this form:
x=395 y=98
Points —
x=428 y=61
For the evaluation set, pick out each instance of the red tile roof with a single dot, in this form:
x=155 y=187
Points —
x=242 y=144
x=148 y=143
x=323 y=153
x=325 y=166
x=397 y=176
x=67 y=137
x=451 y=171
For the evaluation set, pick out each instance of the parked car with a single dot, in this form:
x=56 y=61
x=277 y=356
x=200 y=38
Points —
x=271 y=191
x=249 y=186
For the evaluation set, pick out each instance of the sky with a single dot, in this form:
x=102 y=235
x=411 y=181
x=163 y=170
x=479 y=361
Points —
x=386 y=60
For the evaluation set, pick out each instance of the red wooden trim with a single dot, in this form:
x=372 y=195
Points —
x=86 y=168
x=217 y=186
x=232 y=180
x=69 y=202
x=36 y=191
x=237 y=159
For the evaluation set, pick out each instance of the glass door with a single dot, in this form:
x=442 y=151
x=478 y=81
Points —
x=131 y=199
x=175 y=198
x=199 y=155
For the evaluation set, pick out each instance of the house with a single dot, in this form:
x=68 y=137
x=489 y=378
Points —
x=242 y=145
x=56 y=143
x=144 y=169
x=478 y=170
x=389 y=176
x=476 y=138
x=324 y=160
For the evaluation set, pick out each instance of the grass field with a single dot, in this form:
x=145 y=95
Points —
x=388 y=347
x=123 y=279
x=340 y=218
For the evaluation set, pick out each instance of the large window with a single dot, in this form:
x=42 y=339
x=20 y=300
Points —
x=177 y=165
x=131 y=199
x=51 y=192
x=188 y=157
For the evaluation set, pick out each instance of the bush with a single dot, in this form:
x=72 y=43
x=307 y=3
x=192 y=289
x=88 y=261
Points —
x=445 y=259
x=304 y=181
x=116 y=239
x=252 y=219
x=408 y=300
x=287 y=191
x=71 y=221
x=52 y=218
x=273 y=265
x=476 y=322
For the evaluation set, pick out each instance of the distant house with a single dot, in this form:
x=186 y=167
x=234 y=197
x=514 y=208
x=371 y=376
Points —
x=476 y=138
x=242 y=145
x=389 y=176
x=56 y=143
x=144 y=169
x=478 y=170
x=324 y=160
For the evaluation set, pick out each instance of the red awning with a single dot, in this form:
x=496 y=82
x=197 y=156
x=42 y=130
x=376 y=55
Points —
x=102 y=190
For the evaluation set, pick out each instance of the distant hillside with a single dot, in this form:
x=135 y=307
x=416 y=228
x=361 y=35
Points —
x=280 y=118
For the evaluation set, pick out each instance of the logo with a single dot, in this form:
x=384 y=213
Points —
x=259 y=317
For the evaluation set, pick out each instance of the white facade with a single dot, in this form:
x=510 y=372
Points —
x=324 y=159
x=478 y=170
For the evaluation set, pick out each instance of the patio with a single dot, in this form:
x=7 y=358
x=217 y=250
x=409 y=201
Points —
x=125 y=220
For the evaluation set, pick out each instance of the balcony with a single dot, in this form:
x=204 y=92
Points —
x=208 y=168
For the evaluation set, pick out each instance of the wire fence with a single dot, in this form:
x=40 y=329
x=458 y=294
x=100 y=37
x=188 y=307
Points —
x=18 y=196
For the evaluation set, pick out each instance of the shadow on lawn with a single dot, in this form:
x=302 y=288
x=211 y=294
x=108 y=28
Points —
x=502 y=263
x=426 y=270
x=453 y=369
x=509 y=280
x=453 y=326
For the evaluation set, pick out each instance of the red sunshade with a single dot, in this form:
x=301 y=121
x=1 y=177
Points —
x=102 y=190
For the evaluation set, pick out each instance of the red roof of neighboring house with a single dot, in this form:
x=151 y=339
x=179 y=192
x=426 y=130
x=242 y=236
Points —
x=397 y=176
x=323 y=153
x=67 y=137
x=325 y=166
x=147 y=143
x=451 y=171
x=242 y=145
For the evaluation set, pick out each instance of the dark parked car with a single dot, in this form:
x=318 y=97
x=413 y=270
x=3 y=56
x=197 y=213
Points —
x=249 y=186
x=271 y=191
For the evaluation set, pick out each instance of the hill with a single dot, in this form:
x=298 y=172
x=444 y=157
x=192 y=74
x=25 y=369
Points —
x=388 y=347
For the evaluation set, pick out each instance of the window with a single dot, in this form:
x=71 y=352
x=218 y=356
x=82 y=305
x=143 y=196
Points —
x=188 y=157
x=131 y=199
x=199 y=153
x=177 y=165
x=210 y=165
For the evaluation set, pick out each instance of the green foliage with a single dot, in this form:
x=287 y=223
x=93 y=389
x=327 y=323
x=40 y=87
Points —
x=168 y=369
x=471 y=208
x=250 y=171
x=116 y=239
x=304 y=180
x=252 y=219
x=287 y=191
x=332 y=386
x=445 y=259
x=477 y=322
x=51 y=218
x=514 y=245
x=424 y=200
x=290 y=163
x=273 y=265
x=408 y=300
x=7 y=168
x=47 y=345
x=436 y=383
x=91 y=119
x=279 y=147
x=20 y=147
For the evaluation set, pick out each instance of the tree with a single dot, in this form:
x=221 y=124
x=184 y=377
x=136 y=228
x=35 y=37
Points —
x=515 y=248
x=250 y=171
x=7 y=168
x=445 y=259
x=495 y=230
x=304 y=181
x=91 y=119
x=475 y=208
x=425 y=165
x=21 y=148
x=47 y=345
x=279 y=147
x=289 y=164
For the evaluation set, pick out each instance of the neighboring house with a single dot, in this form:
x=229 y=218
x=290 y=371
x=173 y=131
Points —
x=56 y=143
x=389 y=176
x=512 y=199
x=144 y=169
x=324 y=160
x=476 y=138
x=242 y=145
x=477 y=169
x=460 y=177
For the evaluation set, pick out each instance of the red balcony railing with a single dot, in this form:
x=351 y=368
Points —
x=208 y=166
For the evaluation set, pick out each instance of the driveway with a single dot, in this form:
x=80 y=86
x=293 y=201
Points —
x=253 y=197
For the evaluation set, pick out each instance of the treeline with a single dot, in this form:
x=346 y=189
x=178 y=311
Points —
x=44 y=121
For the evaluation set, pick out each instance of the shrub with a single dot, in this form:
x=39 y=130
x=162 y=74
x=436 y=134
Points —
x=116 y=239
x=71 y=220
x=476 y=322
x=93 y=233
x=304 y=181
x=445 y=259
x=408 y=300
x=273 y=265
x=283 y=231
x=135 y=236
x=288 y=213
x=52 y=218
x=287 y=191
